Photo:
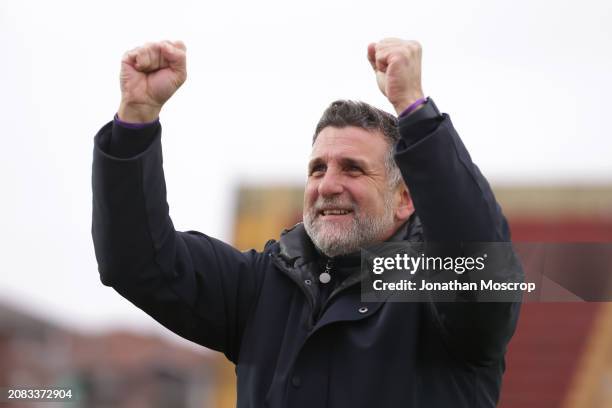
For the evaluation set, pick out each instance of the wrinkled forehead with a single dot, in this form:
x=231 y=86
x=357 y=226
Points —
x=350 y=142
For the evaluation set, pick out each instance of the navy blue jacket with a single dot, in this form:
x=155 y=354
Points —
x=258 y=308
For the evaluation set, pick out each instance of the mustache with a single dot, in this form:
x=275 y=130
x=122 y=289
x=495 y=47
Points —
x=326 y=203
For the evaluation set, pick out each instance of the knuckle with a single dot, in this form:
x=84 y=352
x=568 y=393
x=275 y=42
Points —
x=151 y=48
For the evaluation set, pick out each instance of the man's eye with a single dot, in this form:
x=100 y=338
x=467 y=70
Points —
x=354 y=170
x=317 y=171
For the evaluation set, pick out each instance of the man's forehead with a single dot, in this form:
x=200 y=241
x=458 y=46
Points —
x=349 y=142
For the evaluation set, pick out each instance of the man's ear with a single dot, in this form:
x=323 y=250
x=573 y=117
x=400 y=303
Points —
x=405 y=206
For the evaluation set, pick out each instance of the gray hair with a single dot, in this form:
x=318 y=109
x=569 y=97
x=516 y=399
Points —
x=343 y=113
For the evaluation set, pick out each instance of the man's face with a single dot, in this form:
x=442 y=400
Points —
x=348 y=202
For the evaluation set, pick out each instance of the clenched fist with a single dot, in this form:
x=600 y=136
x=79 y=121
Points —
x=397 y=64
x=149 y=77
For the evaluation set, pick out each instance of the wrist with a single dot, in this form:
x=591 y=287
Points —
x=413 y=107
x=402 y=105
x=137 y=112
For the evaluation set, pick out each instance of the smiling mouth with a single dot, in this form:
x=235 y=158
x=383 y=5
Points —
x=326 y=213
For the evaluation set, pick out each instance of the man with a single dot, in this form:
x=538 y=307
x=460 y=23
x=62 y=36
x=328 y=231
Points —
x=291 y=317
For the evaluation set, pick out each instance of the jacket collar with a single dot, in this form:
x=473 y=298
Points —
x=299 y=258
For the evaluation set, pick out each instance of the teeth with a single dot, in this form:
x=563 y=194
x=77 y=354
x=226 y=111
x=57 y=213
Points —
x=335 y=212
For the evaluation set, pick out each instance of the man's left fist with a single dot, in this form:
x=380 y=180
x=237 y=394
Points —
x=397 y=64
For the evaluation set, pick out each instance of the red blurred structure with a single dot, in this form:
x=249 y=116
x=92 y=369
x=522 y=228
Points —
x=550 y=358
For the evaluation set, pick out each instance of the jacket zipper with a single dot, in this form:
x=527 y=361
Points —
x=322 y=303
x=325 y=277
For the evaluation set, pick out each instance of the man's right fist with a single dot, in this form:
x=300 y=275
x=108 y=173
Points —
x=149 y=77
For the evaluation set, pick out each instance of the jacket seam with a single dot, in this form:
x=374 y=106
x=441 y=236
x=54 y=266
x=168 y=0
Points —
x=254 y=306
x=470 y=171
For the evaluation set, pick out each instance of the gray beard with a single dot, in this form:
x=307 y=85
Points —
x=361 y=232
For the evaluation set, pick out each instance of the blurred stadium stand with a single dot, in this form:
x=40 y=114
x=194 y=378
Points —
x=116 y=369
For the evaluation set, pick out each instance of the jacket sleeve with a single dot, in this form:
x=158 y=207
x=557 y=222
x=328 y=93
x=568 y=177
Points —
x=198 y=287
x=455 y=204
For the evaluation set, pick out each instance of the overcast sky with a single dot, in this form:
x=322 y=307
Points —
x=527 y=83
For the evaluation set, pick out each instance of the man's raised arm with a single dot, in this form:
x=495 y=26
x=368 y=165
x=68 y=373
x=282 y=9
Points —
x=450 y=195
x=197 y=286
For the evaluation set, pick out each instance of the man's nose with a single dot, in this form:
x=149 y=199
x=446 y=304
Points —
x=330 y=184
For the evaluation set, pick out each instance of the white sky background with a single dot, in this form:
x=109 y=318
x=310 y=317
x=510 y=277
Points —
x=527 y=83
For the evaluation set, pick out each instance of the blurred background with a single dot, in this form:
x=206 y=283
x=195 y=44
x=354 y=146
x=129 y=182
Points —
x=526 y=83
